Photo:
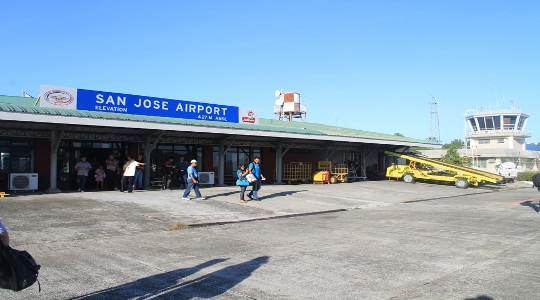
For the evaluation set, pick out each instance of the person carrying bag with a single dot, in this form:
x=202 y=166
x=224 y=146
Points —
x=242 y=181
x=18 y=269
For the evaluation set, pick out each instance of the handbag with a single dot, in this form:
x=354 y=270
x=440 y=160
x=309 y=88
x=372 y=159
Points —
x=251 y=178
x=242 y=182
x=19 y=271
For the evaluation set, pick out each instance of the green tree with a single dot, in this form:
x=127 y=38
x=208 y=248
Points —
x=456 y=144
x=398 y=134
x=452 y=155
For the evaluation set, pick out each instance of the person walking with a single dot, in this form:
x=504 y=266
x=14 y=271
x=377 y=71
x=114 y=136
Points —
x=255 y=169
x=82 y=168
x=112 y=170
x=129 y=174
x=139 y=173
x=242 y=182
x=192 y=182
x=181 y=167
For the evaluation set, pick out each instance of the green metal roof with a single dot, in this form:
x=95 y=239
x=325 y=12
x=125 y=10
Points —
x=27 y=105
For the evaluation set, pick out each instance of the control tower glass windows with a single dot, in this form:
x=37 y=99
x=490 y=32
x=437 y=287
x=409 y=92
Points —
x=482 y=123
x=497 y=122
x=509 y=122
x=484 y=141
x=472 y=123
x=521 y=122
x=489 y=123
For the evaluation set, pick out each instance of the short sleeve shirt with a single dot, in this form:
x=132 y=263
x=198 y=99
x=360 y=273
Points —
x=83 y=167
x=255 y=169
x=192 y=170
x=111 y=164
x=131 y=166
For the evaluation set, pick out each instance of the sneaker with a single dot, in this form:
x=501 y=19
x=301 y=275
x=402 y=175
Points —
x=186 y=198
x=82 y=191
x=200 y=198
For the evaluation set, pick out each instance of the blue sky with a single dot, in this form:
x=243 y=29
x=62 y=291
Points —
x=371 y=65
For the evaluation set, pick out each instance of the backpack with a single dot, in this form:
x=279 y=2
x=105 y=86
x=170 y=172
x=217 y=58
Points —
x=18 y=269
x=536 y=179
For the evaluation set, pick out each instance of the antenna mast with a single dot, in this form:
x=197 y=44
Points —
x=435 y=134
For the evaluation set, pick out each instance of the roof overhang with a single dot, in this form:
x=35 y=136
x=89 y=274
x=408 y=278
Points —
x=193 y=129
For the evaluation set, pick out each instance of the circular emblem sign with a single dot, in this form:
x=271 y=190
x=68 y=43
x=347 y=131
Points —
x=59 y=97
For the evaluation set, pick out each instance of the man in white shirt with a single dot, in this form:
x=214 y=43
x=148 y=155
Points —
x=4 y=236
x=129 y=173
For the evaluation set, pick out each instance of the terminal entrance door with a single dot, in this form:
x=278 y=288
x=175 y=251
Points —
x=96 y=153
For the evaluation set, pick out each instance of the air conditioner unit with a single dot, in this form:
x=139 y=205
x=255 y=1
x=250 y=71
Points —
x=206 y=177
x=23 y=181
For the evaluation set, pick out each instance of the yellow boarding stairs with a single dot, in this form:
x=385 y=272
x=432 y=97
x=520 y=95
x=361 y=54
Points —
x=434 y=170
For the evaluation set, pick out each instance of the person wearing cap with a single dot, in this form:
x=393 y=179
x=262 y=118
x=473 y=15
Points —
x=192 y=182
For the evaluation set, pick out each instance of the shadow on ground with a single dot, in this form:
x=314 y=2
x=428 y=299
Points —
x=170 y=285
x=482 y=297
x=280 y=194
x=531 y=204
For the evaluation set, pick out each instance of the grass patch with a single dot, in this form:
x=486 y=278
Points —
x=179 y=226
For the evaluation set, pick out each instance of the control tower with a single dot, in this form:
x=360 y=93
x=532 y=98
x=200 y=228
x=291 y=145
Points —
x=499 y=136
x=497 y=129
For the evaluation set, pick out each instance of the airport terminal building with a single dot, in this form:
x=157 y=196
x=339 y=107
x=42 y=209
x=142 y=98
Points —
x=48 y=135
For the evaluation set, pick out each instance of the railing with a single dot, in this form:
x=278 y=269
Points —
x=525 y=132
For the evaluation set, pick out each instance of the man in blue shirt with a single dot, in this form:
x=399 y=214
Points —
x=255 y=169
x=192 y=182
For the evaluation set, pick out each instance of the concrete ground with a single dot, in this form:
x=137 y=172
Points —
x=380 y=240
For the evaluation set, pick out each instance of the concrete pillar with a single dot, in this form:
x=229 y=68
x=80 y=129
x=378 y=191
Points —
x=56 y=138
x=149 y=146
x=279 y=165
x=221 y=163
x=280 y=153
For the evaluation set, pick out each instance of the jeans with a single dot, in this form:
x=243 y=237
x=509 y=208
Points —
x=129 y=181
x=242 y=192
x=255 y=189
x=194 y=186
x=139 y=175
x=81 y=181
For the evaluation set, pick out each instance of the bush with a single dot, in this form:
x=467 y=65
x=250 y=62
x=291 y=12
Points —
x=525 y=176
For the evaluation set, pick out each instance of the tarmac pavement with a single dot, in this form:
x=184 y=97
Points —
x=384 y=240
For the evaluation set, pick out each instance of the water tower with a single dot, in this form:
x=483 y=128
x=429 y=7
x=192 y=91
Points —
x=288 y=106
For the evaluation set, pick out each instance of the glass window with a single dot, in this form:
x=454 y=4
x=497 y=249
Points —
x=482 y=162
x=501 y=141
x=484 y=141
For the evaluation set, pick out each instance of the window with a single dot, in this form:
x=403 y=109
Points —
x=234 y=157
x=501 y=141
x=482 y=163
x=484 y=141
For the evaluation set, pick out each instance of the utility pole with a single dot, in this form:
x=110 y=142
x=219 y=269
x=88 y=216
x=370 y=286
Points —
x=435 y=134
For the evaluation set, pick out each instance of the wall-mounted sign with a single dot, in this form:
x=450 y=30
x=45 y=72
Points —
x=80 y=99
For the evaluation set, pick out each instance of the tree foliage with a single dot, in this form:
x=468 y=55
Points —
x=452 y=155
x=456 y=144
